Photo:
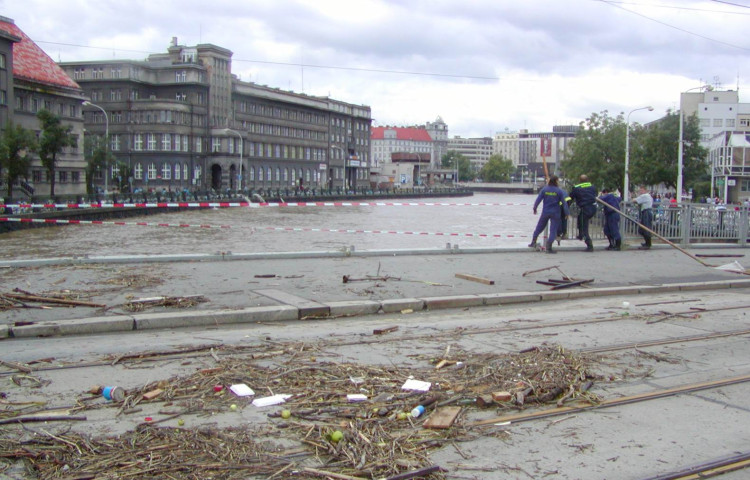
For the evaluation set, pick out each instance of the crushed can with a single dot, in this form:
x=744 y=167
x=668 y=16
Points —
x=113 y=394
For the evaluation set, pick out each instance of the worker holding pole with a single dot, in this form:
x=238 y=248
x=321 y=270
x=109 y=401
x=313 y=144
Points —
x=585 y=195
x=552 y=197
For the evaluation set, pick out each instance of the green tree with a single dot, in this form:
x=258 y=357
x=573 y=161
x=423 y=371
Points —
x=453 y=159
x=95 y=154
x=497 y=169
x=599 y=151
x=55 y=137
x=15 y=146
x=655 y=162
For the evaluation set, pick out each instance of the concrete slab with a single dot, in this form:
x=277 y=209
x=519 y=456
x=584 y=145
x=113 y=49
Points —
x=400 y=304
x=216 y=317
x=82 y=326
x=4 y=331
x=510 y=298
x=353 y=307
x=306 y=307
x=454 y=301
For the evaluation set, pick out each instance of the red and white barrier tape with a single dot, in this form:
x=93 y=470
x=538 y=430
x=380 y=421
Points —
x=251 y=205
x=54 y=221
x=396 y=232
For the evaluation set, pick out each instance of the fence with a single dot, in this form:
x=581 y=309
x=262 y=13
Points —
x=684 y=224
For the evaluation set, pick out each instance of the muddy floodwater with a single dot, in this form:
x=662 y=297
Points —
x=482 y=220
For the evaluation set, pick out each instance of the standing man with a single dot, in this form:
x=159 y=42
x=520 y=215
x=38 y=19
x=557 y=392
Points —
x=553 y=198
x=585 y=196
x=612 y=220
x=645 y=201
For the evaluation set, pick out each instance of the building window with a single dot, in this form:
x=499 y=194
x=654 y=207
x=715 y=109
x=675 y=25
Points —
x=75 y=177
x=114 y=142
x=138 y=143
x=151 y=172
x=180 y=96
x=166 y=172
x=185 y=145
x=3 y=97
x=79 y=73
x=718 y=122
x=251 y=174
x=198 y=144
x=215 y=144
x=185 y=170
x=177 y=172
x=260 y=174
x=151 y=141
x=34 y=105
x=166 y=142
x=115 y=95
x=197 y=174
x=278 y=174
x=180 y=76
x=705 y=122
x=729 y=122
x=268 y=173
x=138 y=171
x=98 y=73
x=116 y=72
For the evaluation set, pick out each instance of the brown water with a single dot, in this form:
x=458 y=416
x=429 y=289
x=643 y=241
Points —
x=252 y=229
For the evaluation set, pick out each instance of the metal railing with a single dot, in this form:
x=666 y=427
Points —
x=683 y=224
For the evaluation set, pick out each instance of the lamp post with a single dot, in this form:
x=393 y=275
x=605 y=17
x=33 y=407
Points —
x=242 y=148
x=625 y=193
x=680 y=148
x=106 y=144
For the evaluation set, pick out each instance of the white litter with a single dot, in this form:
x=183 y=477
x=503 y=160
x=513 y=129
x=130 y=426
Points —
x=242 y=390
x=732 y=267
x=272 y=400
x=416 y=385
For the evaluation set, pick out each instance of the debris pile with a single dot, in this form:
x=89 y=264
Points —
x=344 y=420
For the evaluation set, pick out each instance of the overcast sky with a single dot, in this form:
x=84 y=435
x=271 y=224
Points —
x=484 y=66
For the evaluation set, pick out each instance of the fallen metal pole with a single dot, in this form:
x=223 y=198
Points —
x=654 y=233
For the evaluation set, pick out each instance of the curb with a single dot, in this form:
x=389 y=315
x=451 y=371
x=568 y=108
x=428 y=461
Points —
x=97 y=325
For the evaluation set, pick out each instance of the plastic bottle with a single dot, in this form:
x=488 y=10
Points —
x=417 y=411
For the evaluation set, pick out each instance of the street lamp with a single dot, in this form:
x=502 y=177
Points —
x=627 y=151
x=106 y=144
x=680 y=147
x=241 y=150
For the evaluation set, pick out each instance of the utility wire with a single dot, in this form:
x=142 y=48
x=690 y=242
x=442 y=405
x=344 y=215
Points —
x=613 y=4
x=292 y=64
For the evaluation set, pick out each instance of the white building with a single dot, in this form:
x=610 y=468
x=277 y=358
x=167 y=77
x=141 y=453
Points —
x=505 y=144
x=477 y=150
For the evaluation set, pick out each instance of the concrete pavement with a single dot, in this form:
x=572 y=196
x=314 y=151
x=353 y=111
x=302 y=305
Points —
x=257 y=287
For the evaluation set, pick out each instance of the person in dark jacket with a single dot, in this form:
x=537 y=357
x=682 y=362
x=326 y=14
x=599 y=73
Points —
x=612 y=220
x=552 y=198
x=562 y=234
x=585 y=195
x=645 y=202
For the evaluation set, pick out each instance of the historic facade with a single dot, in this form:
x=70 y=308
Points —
x=29 y=82
x=181 y=120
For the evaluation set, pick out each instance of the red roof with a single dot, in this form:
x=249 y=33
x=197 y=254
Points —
x=402 y=133
x=31 y=63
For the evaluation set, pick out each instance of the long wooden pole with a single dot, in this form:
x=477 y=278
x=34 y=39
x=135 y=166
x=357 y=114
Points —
x=654 y=233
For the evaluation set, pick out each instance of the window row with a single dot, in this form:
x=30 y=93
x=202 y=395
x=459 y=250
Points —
x=119 y=95
x=246 y=106
x=28 y=103
x=281 y=131
x=61 y=176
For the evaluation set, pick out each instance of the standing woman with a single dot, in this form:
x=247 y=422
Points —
x=552 y=197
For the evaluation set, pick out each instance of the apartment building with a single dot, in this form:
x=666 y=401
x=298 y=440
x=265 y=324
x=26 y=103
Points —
x=29 y=82
x=181 y=120
x=477 y=150
x=537 y=148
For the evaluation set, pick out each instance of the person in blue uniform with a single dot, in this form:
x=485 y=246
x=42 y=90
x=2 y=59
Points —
x=585 y=195
x=562 y=234
x=612 y=220
x=552 y=198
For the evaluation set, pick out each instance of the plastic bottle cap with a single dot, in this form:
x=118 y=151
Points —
x=418 y=410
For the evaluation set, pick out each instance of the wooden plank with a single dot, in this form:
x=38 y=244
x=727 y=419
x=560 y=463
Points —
x=442 y=417
x=475 y=278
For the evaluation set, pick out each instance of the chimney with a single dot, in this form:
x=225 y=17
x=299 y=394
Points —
x=174 y=41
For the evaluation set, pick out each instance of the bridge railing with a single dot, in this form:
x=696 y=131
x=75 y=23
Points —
x=683 y=224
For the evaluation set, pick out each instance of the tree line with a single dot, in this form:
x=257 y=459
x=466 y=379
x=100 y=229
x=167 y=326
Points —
x=598 y=151
x=18 y=145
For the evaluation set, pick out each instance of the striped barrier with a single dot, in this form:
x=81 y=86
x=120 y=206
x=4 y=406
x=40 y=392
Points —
x=55 y=221
x=396 y=232
x=74 y=206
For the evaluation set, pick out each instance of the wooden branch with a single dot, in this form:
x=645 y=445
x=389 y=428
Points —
x=61 y=301
x=474 y=278
x=42 y=418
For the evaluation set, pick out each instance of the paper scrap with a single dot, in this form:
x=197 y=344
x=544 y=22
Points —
x=732 y=267
x=356 y=397
x=242 y=390
x=272 y=400
x=416 y=385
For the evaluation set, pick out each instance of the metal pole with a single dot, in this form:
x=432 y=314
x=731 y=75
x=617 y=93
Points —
x=626 y=192
x=106 y=145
